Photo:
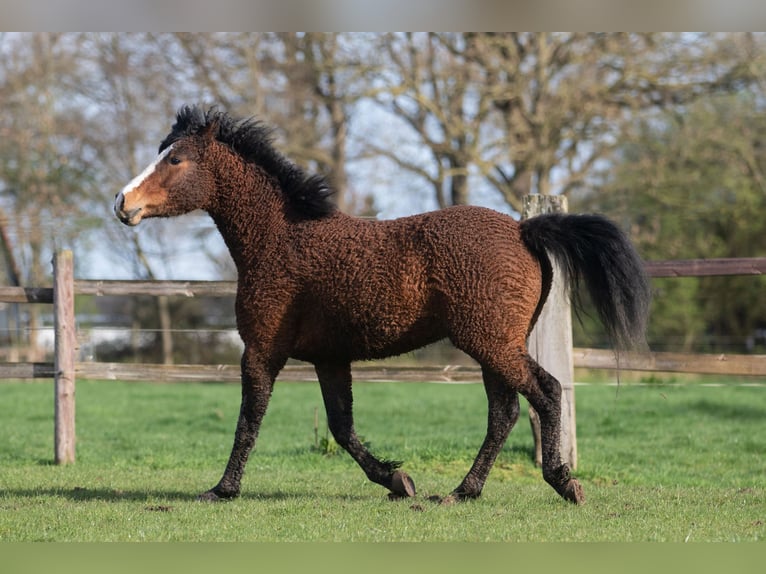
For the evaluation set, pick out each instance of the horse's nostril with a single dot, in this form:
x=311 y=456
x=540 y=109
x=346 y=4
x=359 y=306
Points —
x=129 y=217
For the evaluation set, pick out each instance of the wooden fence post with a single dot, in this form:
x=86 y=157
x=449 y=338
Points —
x=550 y=342
x=65 y=348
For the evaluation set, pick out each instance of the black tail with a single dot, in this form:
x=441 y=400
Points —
x=592 y=249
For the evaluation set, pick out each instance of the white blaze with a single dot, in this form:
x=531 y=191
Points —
x=139 y=179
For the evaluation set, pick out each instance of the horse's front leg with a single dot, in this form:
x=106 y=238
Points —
x=257 y=385
x=335 y=382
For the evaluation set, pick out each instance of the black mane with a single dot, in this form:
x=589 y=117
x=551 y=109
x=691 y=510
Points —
x=309 y=195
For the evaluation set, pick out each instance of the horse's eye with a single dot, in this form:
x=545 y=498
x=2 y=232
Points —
x=174 y=160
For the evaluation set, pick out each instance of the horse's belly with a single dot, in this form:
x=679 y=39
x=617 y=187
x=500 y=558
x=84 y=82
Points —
x=364 y=337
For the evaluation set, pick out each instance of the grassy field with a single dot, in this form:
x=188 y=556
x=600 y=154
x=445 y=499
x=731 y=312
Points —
x=658 y=462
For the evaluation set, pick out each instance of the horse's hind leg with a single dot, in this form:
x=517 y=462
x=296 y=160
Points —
x=503 y=412
x=335 y=381
x=543 y=392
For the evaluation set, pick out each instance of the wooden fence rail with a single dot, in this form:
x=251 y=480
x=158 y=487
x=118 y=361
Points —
x=707 y=267
x=26 y=294
x=297 y=373
x=711 y=364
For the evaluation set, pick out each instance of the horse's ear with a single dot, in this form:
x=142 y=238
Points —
x=210 y=131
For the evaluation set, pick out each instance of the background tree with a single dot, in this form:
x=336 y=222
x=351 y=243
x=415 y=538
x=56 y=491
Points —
x=304 y=85
x=125 y=70
x=437 y=94
x=691 y=185
x=45 y=160
x=535 y=112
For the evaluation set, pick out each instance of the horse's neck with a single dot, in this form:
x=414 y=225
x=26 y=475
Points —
x=251 y=221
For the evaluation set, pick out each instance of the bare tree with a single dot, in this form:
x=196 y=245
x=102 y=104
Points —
x=305 y=85
x=535 y=112
x=43 y=165
x=126 y=68
x=438 y=94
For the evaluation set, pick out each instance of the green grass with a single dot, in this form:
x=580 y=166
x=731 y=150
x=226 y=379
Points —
x=658 y=463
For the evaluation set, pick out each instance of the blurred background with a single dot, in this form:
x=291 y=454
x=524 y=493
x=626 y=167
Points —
x=665 y=133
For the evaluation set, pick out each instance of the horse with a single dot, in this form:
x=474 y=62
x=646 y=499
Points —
x=321 y=286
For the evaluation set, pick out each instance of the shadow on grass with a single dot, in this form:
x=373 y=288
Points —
x=727 y=411
x=81 y=494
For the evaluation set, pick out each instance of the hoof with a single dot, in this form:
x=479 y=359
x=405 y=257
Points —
x=211 y=496
x=457 y=496
x=402 y=485
x=573 y=492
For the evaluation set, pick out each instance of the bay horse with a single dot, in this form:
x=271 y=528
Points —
x=321 y=286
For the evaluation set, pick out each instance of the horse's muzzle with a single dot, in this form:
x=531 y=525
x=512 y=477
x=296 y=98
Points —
x=128 y=217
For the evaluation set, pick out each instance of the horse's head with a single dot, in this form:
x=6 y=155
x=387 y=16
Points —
x=203 y=159
x=175 y=183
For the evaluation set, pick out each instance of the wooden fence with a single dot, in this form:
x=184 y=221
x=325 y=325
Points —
x=66 y=369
